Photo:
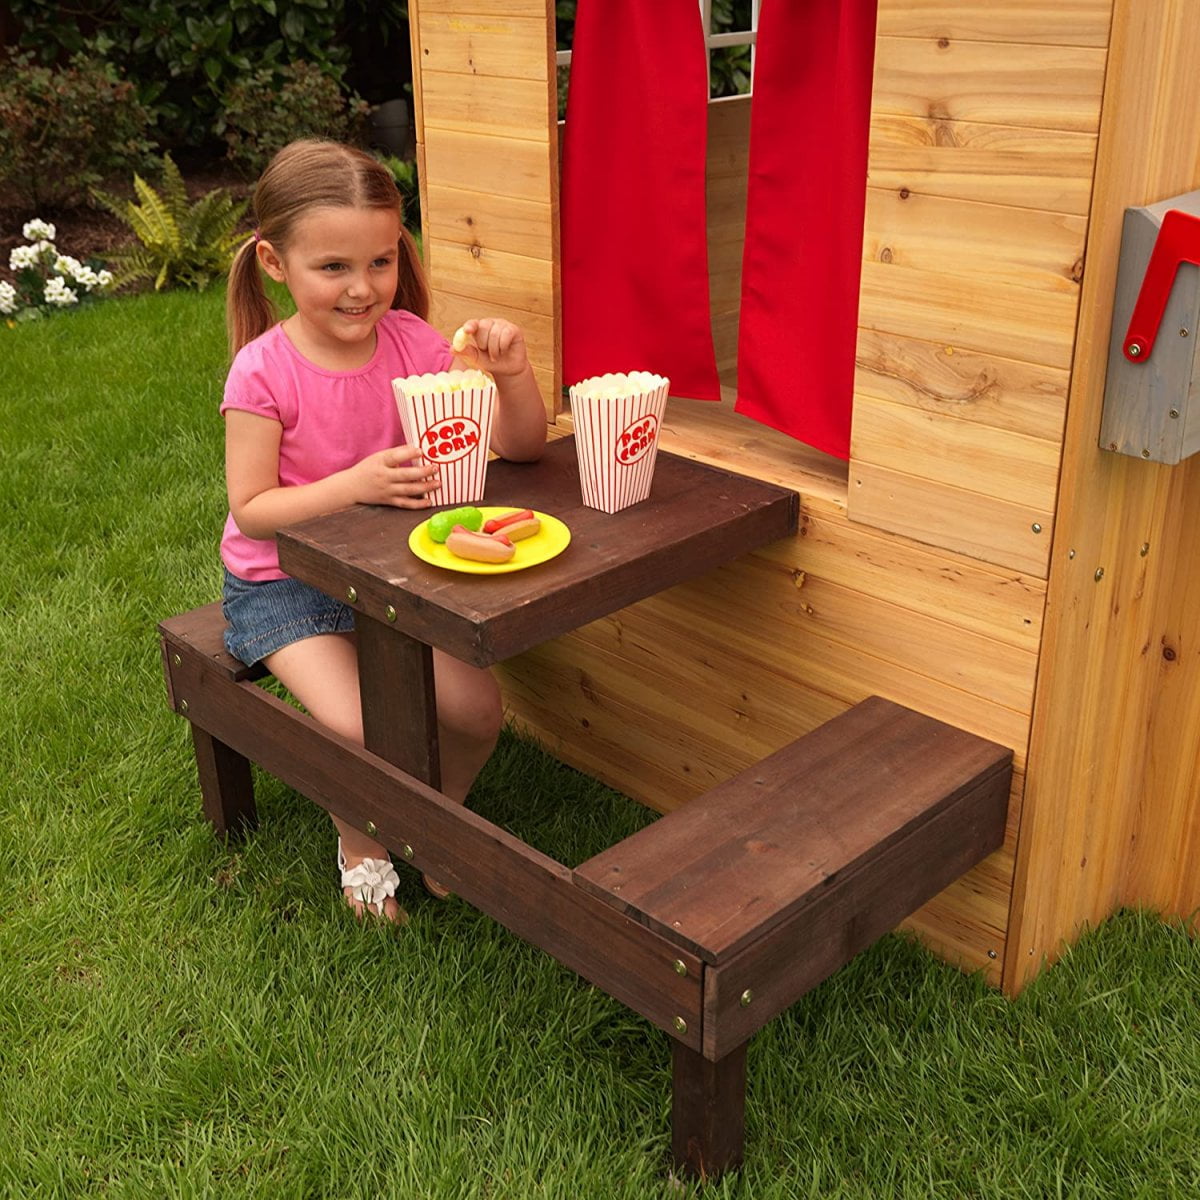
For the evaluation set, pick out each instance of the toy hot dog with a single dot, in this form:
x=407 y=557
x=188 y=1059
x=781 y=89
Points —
x=514 y=525
x=481 y=547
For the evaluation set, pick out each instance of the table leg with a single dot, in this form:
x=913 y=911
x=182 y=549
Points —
x=395 y=679
x=708 y=1111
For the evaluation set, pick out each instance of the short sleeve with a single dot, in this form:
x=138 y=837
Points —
x=248 y=385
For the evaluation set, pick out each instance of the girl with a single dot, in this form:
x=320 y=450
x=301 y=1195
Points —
x=311 y=426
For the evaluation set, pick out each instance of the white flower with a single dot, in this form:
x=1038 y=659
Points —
x=58 y=293
x=8 y=298
x=373 y=881
x=21 y=257
x=38 y=229
x=104 y=278
x=64 y=264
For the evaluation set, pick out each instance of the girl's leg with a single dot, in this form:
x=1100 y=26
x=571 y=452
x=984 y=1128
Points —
x=322 y=673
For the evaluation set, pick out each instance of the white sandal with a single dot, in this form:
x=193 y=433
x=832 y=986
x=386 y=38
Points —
x=374 y=880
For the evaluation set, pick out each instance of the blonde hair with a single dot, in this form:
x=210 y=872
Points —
x=304 y=175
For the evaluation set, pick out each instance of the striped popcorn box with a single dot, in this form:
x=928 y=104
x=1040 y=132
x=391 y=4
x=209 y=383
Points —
x=617 y=420
x=449 y=415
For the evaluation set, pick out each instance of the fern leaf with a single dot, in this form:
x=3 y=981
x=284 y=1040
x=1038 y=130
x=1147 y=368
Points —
x=157 y=225
x=174 y=189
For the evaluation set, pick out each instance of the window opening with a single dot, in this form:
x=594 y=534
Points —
x=730 y=33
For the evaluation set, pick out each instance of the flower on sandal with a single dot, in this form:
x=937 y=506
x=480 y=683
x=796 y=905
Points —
x=374 y=880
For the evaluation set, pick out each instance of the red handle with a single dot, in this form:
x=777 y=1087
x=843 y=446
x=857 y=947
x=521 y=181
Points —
x=1178 y=242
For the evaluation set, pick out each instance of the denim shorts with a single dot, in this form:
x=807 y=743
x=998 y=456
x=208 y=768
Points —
x=265 y=616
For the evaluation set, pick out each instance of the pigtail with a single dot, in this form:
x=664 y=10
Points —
x=412 y=288
x=249 y=311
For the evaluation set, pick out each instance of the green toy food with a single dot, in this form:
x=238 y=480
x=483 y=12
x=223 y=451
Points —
x=442 y=524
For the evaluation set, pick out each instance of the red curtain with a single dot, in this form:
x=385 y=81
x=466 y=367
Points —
x=809 y=128
x=634 y=242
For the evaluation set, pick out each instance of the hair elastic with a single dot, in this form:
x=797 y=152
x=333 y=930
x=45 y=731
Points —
x=257 y=236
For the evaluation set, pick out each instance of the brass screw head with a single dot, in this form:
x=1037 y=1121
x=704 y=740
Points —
x=747 y=996
x=1036 y=527
x=183 y=706
x=1135 y=349
x=407 y=850
x=351 y=594
x=390 y=613
x=175 y=659
x=1099 y=574
x=370 y=829
x=680 y=967
x=680 y=1025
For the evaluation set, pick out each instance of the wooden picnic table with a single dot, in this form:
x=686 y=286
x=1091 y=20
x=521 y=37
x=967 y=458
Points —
x=696 y=518
x=709 y=922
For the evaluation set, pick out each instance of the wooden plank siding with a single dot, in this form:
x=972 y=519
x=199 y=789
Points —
x=1005 y=140
x=981 y=157
x=488 y=158
x=1111 y=815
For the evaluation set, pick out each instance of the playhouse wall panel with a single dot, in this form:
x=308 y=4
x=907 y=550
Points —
x=475 y=219
x=997 y=164
x=488 y=159
x=495 y=44
x=467 y=161
x=1028 y=324
x=999 y=83
x=967 y=385
x=997 y=531
x=1011 y=466
x=1112 y=752
x=1025 y=247
x=1052 y=22
x=500 y=107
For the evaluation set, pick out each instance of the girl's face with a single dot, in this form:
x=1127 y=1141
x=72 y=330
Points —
x=341 y=269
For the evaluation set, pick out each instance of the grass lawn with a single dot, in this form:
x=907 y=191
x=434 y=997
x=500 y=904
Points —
x=178 y=1018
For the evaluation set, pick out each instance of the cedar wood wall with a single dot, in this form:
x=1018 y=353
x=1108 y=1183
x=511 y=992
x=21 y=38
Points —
x=1004 y=139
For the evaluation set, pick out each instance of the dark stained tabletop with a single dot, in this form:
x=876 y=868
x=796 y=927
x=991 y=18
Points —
x=696 y=518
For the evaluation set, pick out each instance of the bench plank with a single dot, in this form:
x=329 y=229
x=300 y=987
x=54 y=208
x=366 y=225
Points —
x=202 y=631
x=730 y=866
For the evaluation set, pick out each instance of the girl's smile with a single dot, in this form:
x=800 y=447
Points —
x=340 y=266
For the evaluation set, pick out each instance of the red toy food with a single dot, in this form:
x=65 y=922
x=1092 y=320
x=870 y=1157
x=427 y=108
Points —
x=480 y=547
x=515 y=525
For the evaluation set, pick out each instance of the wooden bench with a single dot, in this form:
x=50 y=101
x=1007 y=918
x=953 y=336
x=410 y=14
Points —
x=710 y=921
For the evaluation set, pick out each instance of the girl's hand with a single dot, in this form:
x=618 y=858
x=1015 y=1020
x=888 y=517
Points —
x=399 y=477
x=492 y=344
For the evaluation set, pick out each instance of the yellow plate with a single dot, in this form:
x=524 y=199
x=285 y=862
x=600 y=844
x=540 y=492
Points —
x=551 y=540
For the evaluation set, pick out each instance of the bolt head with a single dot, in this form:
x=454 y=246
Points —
x=680 y=1025
x=680 y=967
x=746 y=997
x=370 y=828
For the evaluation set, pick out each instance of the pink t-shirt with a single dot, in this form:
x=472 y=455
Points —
x=330 y=419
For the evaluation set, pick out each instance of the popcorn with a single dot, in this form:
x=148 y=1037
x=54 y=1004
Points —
x=459 y=342
x=617 y=420
x=449 y=416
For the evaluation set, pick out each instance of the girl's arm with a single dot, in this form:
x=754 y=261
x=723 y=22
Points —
x=261 y=506
x=498 y=347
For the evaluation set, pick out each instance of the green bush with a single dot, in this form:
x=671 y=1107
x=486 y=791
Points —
x=182 y=244
x=63 y=130
x=185 y=55
x=274 y=106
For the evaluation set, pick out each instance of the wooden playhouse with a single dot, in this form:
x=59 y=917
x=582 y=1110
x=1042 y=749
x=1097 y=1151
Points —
x=980 y=557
